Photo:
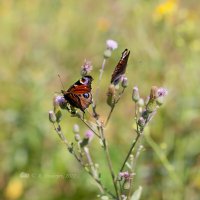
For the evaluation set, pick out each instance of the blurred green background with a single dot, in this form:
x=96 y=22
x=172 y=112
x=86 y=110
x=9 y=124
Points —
x=40 y=38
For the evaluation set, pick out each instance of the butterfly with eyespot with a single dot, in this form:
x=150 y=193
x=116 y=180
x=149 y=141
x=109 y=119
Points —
x=120 y=69
x=79 y=94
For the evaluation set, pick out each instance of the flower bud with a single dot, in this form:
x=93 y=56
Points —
x=145 y=115
x=107 y=53
x=58 y=116
x=141 y=122
x=124 y=82
x=135 y=94
x=52 y=116
x=76 y=128
x=141 y=102
x=110 y=95
x=77 y=137
x=84 y=142
x=151 y=106
x=160 y=101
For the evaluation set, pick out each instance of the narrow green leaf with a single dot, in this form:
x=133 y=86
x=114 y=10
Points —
x=137 y=194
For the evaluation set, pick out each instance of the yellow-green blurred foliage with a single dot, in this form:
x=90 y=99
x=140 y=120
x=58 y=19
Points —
x=41 y=38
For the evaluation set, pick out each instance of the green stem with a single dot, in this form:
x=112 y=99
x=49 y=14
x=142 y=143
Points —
x=102 y=189
x=130 y=150
x=112 y=108
x=89 y=127
x=109 y=162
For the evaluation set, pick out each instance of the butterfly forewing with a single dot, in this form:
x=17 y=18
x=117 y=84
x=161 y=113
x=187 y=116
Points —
x=120 y=69
x=79 y=94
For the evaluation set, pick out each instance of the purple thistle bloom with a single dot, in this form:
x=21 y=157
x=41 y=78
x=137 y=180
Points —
x=111 y=44
x=60 y=100
x=125 y=175
x=89 y=134
x=162 y=92
x=86 y=68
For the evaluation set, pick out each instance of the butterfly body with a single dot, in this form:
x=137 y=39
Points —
x=79 y=94
x=120 y=69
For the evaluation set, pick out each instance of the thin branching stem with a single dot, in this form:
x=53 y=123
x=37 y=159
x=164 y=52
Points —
x=90 y=127
x=130 y=150
x=102 y=189
x=109 y=115
x=109 y=162
x=113 y=106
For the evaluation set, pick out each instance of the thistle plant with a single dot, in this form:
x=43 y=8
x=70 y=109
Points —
x=80 y=148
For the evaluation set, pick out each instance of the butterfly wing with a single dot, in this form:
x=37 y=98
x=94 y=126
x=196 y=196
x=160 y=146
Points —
x=120 y=69
x=79 y=94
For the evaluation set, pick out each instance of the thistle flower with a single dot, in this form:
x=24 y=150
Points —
x=89 y=134
x=59 y=101
x=86 y=68
x=162 y=92
x=126 y=175
x=111 y=44
x=88 y=137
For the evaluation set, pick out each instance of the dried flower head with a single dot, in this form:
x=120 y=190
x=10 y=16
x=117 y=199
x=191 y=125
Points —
x=111 y=44
x=154 y=92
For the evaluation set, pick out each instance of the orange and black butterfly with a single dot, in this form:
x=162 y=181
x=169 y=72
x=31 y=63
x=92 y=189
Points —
x=120 y=69
x=79 y=94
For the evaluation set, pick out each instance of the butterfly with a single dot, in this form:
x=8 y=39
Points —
x=120 y=69
x=79 y=94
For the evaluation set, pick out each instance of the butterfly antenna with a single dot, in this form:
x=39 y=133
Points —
x=61 y=81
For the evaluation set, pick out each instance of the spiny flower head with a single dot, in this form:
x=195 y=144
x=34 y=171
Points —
x=86 y=68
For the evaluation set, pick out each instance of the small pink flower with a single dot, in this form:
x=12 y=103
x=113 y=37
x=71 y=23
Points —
x=89 y=134
x=111 y=44
x=86 y=68
x=125 y=175
x=59 y=100
x=162 y=92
